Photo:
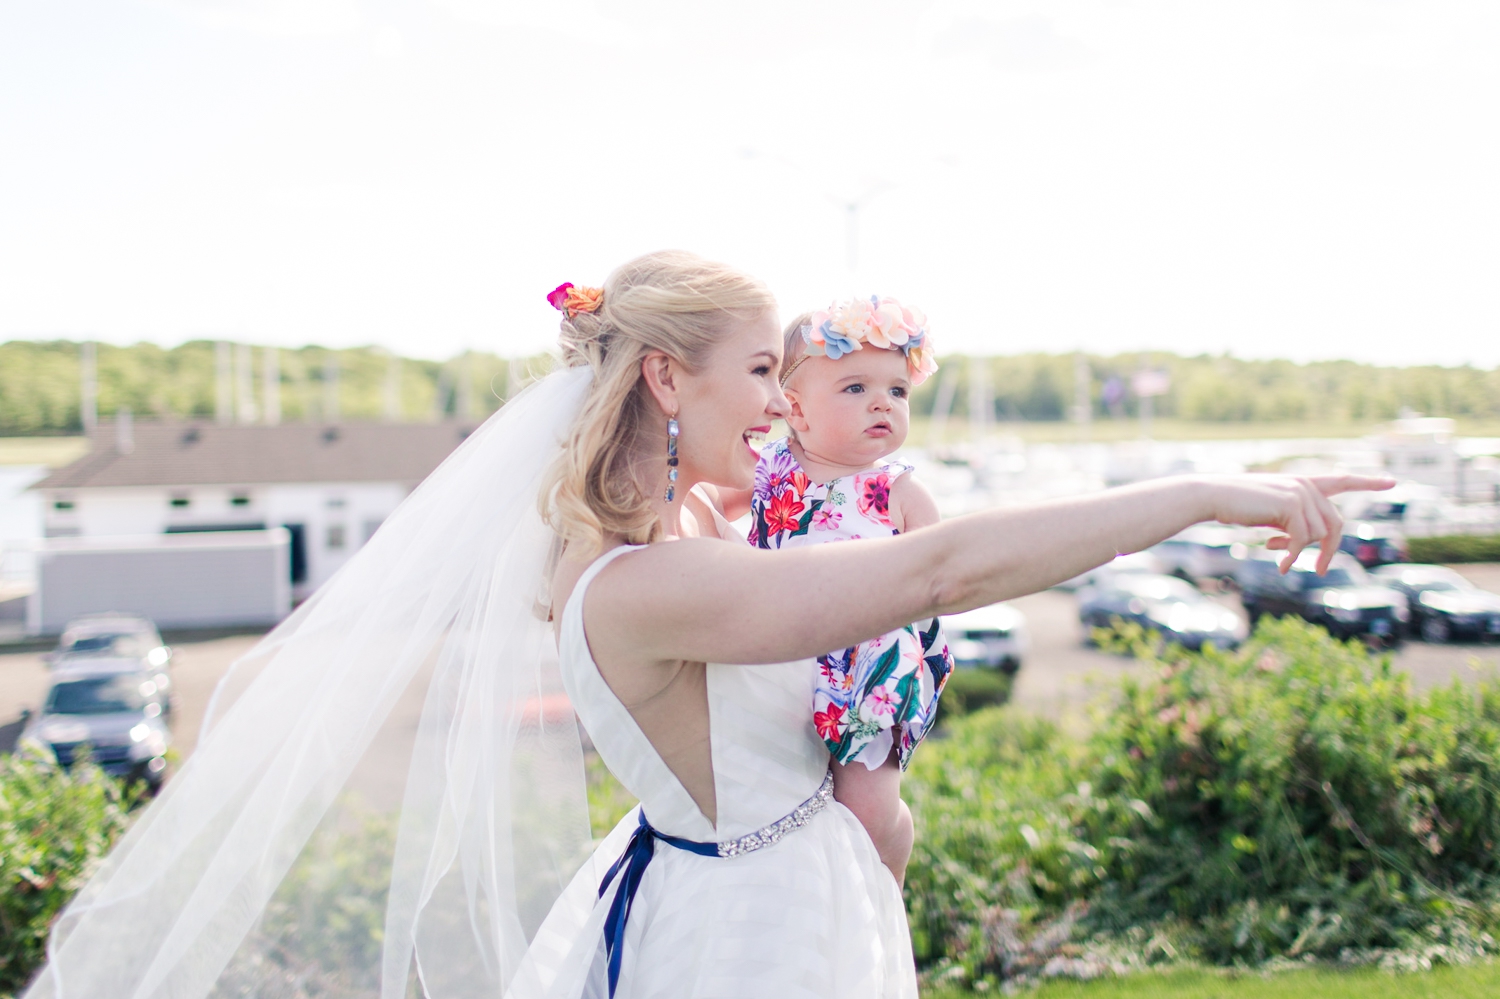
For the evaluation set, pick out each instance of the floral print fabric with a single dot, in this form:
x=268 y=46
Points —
x=881 y=694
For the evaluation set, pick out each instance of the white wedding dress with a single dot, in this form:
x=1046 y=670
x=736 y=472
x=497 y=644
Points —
x=814 y=914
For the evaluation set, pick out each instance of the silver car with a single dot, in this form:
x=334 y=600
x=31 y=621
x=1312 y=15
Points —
x=108 y=709
x=118 y=642
x=993 y=637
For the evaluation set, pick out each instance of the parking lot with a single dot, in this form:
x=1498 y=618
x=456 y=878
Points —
x=1060 y=677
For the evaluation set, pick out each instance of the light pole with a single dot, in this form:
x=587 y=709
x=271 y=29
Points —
x=851 y=205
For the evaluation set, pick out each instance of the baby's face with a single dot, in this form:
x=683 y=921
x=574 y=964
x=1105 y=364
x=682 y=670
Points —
x=852 y=411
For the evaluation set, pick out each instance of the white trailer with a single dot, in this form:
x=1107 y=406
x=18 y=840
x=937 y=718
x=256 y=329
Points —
x=204 y=580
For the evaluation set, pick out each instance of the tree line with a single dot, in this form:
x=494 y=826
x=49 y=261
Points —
x=40 y=386
x=1219 y=389
x=41 y=383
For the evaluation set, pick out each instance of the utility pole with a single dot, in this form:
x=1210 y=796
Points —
x=981 y=402
x=223 y=384
x=440 y=394
x=1083 y=402
x=88 y=370
x=331 y=387
x=937 y=424
x=392 y=387
x=1149 y=384
x=464 y=404
x=244 y=371
x=270 y=379
x=852 y=208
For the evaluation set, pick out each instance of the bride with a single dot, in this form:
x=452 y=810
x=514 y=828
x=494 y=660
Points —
x=574 y=545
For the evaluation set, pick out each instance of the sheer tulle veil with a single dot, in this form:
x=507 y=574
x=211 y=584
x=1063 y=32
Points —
x=389 y=786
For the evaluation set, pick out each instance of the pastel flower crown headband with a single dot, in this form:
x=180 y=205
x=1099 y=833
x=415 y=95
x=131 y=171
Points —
x=884 y=323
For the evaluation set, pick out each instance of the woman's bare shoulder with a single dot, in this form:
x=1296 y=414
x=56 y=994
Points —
x=569 y=570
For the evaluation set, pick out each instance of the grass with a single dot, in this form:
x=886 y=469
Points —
x=50 y=451
x=1478 y=981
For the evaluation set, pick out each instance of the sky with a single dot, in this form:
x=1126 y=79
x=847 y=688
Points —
x=1273 y=179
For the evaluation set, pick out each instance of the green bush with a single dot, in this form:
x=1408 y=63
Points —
x=970 y=689
x=323 y=929
x=55 y=828
x=1293 y=800
x=1456 y=548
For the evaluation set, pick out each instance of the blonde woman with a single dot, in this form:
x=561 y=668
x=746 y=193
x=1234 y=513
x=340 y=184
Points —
x=586 y=509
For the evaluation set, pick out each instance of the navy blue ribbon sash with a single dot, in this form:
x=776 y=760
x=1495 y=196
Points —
x=632 y=867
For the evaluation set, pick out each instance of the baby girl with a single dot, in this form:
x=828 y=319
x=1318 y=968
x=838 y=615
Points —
x=848 y=374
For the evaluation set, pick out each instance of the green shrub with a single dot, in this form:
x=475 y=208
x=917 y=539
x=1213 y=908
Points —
x=1293 y=800
x=322 y=930
x=1456 y=548
x=55 y=828
x=608 y=799
x=970 y=689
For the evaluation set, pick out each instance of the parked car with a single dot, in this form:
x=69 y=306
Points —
x=1202 y=552
x=1346 y=601
x=117 y=641
x=1444 y=605
x=992 y=637
x=1165 y=604
x=116 y=711
x=1374 y=544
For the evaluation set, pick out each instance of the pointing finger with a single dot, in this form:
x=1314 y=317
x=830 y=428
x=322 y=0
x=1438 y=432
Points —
x=1330 y=485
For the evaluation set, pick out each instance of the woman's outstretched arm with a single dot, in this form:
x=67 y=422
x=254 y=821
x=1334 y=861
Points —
x=703 y=600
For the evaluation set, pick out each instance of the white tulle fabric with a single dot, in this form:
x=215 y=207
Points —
x=420 y=682
x=814 y=915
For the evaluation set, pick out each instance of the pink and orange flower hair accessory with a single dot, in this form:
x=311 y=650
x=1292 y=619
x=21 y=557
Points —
x=883 y=323
x=571 y=299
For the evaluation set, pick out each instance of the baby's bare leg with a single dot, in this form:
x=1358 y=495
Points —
x=874 y=796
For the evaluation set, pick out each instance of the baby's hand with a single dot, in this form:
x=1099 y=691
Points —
x=912 y=506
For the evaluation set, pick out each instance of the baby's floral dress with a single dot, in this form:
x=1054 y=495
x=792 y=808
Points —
x=880 y=694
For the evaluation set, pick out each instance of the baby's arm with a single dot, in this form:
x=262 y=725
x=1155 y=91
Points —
x=912 y=506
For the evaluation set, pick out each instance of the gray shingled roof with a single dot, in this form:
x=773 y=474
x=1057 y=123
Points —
x=190 y=454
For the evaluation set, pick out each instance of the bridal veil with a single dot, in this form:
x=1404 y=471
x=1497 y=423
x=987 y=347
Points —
x=389 y=786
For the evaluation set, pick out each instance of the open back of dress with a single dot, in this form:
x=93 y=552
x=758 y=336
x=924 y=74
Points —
x=814 y=914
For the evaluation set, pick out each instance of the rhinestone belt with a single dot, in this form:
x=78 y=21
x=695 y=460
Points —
x=631 y=867
x=767 y=835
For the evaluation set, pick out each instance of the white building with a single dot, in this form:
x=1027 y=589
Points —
x=1424 y=449
x=329 y=485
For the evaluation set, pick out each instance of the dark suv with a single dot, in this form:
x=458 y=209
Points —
x=1444 y=605
x=1374 y=544
x=1346 y=601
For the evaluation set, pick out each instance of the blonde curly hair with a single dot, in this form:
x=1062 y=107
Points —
x=674 y=302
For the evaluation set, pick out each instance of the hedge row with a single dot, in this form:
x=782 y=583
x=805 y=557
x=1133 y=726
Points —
x=1456 y=548
x=1295 y=800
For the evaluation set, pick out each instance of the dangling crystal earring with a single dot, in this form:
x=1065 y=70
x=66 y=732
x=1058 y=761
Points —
x=672 y=431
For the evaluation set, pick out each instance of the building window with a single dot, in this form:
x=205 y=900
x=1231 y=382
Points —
x=239 y=501
x=180 y=502
x=335 y=502
x=62 y=504
x=335 y=537
x=371 y=526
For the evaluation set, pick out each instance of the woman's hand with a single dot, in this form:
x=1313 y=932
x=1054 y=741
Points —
x=1296 y=505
